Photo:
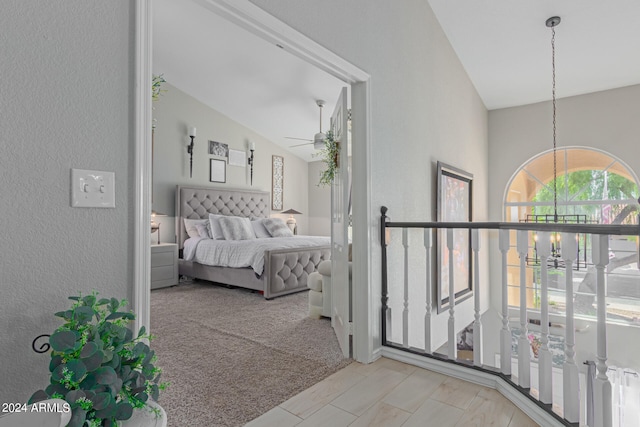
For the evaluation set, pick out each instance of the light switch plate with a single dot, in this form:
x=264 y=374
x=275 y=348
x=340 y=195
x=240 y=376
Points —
x=92 y=189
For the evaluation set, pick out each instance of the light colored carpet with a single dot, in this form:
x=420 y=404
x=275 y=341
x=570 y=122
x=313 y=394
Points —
x=230 y=355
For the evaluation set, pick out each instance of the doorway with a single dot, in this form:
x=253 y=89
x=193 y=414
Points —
x=255 y=20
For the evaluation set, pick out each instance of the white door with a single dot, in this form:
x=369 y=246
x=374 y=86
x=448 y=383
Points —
x=340 y=193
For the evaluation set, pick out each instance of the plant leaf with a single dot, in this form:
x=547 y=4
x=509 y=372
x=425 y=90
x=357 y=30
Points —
x=101 y=400
x=94 y=361
x=108 y=411
x=73 y=395
x=77 y=368
x=88 y=349
x=38 y=396
x=105 y=375
x=124 y=410
x=78 y=417
x=63 y=341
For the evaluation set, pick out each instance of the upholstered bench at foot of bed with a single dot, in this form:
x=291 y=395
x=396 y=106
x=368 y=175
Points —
x=289 y=271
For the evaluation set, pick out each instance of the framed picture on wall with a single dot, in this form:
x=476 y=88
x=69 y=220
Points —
x=453 y=205
x=277 y=182
x=219 y=149
x=237 y=158
x=217 y=170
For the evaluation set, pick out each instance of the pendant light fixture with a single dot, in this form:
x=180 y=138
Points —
x=555 y=259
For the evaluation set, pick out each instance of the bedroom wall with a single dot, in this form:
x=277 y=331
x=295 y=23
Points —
x=424 y=108
x=319 y=202
x=606 y=120
x=174 y=112
x=67 y=102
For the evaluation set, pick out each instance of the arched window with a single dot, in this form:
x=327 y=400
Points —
x=589 y=182
x=600 y=188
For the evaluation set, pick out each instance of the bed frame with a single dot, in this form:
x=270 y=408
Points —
x=285 y=270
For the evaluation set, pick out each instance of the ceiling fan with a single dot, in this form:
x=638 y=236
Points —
x=318 y=139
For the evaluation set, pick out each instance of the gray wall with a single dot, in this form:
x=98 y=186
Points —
x=424 y=108
x=175 y=112
x=319 y=202
x=67 y=102
x=606 y=120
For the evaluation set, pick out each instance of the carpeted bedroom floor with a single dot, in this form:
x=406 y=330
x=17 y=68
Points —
x=230 y=355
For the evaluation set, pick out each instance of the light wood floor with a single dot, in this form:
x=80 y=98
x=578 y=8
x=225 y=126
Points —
x=390 y=393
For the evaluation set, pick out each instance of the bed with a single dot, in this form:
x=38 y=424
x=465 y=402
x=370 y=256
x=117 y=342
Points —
x=285 y=269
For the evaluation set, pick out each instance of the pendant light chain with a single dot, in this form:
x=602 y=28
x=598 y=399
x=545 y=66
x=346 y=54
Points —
x=555 y=167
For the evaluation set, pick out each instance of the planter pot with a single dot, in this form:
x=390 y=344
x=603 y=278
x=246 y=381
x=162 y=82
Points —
x=146 y=417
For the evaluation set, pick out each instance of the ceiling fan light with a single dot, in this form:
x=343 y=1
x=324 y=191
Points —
x=318 y=140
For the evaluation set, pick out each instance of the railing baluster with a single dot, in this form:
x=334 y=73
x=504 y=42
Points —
x=405 y=311
x=427 y=315
x=571 y=385
x=524 y=361
x=601 y=386
x=477 y=324
x=544 y=355
x=505 y=332
x=452 y=343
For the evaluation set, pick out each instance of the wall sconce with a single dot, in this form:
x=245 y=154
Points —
x=291 y=222
x=192 y=135
x=252 y=147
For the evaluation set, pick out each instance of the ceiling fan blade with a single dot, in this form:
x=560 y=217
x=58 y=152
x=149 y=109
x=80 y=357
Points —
x=300 y=145
x=300 y=139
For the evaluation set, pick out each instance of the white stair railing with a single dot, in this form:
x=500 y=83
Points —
x=602 y=387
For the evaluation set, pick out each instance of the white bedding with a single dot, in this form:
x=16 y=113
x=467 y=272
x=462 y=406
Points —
x=243 y=253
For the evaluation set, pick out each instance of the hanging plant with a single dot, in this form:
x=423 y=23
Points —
x=156 y=91
x=330 y=156
x=156 y=86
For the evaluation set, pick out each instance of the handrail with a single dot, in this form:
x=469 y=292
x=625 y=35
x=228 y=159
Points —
x=610 y=229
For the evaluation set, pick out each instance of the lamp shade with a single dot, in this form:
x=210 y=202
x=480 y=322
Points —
x=292 y=212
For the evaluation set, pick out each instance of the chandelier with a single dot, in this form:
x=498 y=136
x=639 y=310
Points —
x=555 y=260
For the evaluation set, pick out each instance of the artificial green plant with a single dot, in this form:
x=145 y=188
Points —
x=329 y=154
x=97 y=364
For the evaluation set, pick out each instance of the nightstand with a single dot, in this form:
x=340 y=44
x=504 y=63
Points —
x=164 y=265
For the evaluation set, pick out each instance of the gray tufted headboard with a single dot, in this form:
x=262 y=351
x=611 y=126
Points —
x=199 y=202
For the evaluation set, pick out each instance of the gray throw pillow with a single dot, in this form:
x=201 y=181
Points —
x=236 y=228
x=277 y=228
x=259 y=228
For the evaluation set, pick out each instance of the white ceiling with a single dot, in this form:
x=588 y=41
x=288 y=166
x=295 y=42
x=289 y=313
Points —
x=503 y=44
x=240 y=75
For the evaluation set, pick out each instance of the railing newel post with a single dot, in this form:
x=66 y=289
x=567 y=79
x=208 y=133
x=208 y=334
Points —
x=385 y=317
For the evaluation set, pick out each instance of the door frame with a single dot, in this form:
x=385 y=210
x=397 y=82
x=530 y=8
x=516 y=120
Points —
x=250 y=17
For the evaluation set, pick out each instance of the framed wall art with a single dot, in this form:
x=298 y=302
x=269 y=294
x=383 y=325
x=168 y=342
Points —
x=277 y=182
x=218 y=149
x=454 y=205
x=217 y=170
x=237 y=158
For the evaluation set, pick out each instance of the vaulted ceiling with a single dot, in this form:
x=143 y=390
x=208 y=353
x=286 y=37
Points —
x=504 y=46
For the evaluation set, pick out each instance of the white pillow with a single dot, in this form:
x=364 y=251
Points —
x=203 y=230
x=259 y=228
x=277 y=228
x=190 y=225
x=236 y=228
x=214 y=226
